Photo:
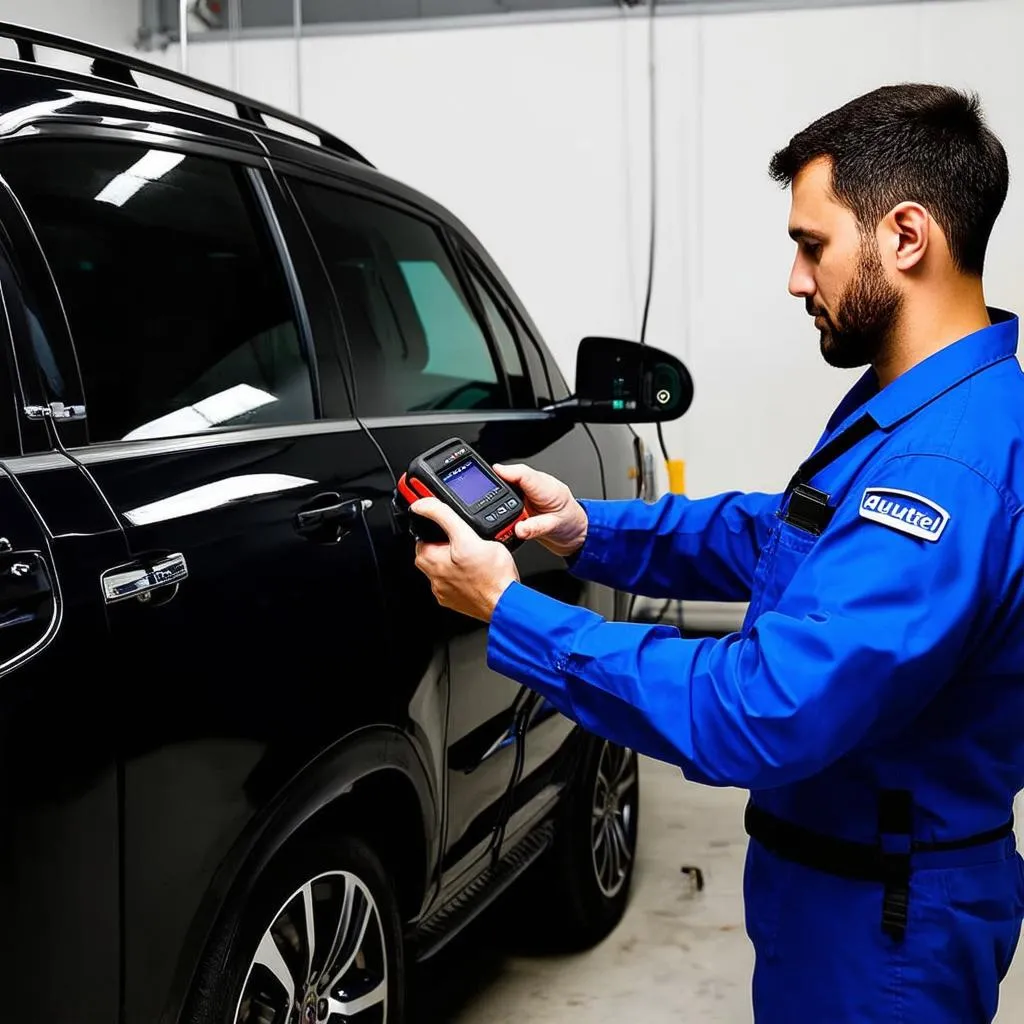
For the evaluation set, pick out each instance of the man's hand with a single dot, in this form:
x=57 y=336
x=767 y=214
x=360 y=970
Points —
x=557 y=519
x=468 y=574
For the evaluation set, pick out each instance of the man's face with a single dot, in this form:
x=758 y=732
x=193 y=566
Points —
x=838 y=272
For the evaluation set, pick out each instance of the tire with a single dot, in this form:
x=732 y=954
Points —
x=242 y=980
x=580 y=893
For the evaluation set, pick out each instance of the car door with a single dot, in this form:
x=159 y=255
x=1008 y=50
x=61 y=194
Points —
x=59 y=859
x=249 y=587
x=571 y=453
x=427 y=366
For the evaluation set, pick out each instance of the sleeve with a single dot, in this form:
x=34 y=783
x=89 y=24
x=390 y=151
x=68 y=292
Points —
x=699 y=550
x=874 y=621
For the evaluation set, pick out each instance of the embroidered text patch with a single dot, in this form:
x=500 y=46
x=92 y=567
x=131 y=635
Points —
x=904 y=510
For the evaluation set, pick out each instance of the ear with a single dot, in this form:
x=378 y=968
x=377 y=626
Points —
x=907 y=229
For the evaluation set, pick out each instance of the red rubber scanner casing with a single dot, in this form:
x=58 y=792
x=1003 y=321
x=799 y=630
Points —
x=413 y=490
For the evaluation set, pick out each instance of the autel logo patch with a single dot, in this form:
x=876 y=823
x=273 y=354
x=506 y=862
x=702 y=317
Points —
x=904 y=510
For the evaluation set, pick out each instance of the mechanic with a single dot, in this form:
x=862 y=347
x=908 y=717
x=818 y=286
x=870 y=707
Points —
x=873 y=701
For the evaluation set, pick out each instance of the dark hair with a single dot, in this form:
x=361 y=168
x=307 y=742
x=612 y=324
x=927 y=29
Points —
x=924 y=143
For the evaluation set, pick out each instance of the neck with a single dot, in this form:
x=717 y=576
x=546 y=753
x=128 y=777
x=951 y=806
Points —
x=929 y=322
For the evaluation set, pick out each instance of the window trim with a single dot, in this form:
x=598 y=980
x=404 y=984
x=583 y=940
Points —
x=525 y=334
x=443 y=231
x=155 y=136
x=249 y=165
x=334 y=361
x=471 y=266
x=304 y=328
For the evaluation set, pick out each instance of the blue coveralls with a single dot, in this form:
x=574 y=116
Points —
x=883 y=652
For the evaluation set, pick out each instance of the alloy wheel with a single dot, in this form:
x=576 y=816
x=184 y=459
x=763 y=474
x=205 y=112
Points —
x=323 y=960
x=613 y=815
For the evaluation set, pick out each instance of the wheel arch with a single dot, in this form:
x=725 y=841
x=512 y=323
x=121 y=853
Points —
x=376 y=768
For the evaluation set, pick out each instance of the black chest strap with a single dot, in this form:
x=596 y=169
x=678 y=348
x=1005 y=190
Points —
x=808 y=507
x=828 y=453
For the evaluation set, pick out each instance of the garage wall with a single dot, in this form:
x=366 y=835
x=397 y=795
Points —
x=536 y=136
x=112 y=23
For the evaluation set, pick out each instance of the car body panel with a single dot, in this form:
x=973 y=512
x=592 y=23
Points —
x=242 y=701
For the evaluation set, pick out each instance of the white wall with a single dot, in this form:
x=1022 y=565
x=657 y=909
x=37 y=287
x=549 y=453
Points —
x=536 y=136
x=112 y=23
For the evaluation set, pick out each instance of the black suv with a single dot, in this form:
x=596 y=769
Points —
x=250 y=769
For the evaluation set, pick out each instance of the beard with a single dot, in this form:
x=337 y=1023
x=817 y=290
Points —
x=867 y=314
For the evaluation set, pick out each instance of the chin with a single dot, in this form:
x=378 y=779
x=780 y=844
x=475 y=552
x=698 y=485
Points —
x=836 y=355
x=841 y=359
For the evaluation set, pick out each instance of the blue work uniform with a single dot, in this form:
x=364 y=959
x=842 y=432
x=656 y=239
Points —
x=873 y=701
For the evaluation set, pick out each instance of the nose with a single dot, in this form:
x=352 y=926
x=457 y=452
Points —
x=801 y=280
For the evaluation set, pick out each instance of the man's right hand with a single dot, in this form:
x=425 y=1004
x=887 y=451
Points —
x=557 y=519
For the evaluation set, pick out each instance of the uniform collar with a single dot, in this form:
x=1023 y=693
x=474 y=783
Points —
x=932 y=376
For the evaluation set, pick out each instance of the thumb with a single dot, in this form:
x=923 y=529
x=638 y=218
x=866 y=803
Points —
x=437 y=511
x=537 y=526
x=515 y=474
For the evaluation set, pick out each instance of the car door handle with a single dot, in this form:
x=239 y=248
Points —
x=134 y=580
x=330 y=511
x=25 y=588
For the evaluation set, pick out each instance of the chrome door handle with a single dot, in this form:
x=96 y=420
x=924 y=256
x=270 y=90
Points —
x=132 y=580
x=338 y=513
x=55 y=411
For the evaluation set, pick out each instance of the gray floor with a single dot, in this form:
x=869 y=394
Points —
x=678 y=956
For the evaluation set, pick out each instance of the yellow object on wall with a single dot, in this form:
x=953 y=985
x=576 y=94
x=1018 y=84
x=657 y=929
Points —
x=676 y=475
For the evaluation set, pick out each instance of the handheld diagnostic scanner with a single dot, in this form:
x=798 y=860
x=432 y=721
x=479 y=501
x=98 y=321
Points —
x=454 y=473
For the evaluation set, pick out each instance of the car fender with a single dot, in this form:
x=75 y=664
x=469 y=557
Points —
x=307 y=796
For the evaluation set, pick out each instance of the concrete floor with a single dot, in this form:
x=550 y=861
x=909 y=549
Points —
x=678 y=956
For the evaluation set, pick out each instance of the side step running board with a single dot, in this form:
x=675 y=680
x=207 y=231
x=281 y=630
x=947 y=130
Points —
x=442 y=926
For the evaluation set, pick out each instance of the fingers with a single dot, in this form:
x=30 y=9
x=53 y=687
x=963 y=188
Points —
x=445 y=516
x=537 y=526
x=430 y=557
x=422 y=558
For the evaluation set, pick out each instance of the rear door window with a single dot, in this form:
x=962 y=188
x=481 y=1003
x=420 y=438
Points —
x=179 y=309
x=416 y=342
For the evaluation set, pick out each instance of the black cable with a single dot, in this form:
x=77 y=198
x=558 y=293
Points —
x=653 y=152
x=652 y=244
x=661 y=441
x=522 y=714
x=652 y=109
x=652 y=113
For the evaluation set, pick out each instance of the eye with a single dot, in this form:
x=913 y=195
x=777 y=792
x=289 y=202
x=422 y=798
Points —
x=813 y=250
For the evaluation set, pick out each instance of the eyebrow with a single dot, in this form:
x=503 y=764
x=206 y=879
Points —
x=798 y=233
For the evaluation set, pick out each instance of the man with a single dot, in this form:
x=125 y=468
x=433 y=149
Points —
x=873 y=702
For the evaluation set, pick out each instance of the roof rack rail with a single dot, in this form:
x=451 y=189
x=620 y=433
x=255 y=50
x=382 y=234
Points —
x=111 y=65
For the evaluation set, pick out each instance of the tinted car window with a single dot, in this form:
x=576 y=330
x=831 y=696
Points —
x=180 y=313
x=416 y=344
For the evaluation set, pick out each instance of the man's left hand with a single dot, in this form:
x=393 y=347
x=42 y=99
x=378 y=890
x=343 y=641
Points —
x=468 y=574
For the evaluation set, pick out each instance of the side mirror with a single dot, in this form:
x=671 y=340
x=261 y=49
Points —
x=625 y=382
